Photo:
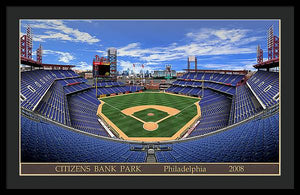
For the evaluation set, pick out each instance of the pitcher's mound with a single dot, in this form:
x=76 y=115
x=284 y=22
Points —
x=150 y=126
x=150 y=114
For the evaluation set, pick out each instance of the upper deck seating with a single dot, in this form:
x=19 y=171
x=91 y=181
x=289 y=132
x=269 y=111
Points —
x=265 y=85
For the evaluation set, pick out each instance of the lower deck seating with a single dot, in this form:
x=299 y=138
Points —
x=83 y=112
x=46 y=142
x=244 y=105
x=76 y=88
x=116 y=89
x=254 y=141
x=54 y=105
x=193 y=87
x=215 y=110
x=231 y=79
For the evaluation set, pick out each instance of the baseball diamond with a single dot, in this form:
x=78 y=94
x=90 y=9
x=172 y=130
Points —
x=170 y=115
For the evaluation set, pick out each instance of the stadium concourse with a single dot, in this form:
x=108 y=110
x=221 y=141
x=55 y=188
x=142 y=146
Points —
x=239 y=120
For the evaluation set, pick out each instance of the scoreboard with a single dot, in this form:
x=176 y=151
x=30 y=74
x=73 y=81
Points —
x=101 y=67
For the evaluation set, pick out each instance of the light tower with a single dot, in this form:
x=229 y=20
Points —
x=26 y=44
x=112 y=58
x=39 y=53
x=270 y=43
x=29 y=42
x=273 y=44
x=259 y=54
x=168 y=73
x=96 y=63
x=192 y=59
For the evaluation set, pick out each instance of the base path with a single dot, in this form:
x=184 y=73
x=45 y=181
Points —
x=169 y=110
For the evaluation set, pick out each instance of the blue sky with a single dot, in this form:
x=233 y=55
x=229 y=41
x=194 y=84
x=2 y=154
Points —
x=217 y=44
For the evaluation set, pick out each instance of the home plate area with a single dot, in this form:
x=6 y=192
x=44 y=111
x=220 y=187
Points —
x=150 y=126
x=150 y=115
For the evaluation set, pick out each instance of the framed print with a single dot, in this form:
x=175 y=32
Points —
x=150 y=96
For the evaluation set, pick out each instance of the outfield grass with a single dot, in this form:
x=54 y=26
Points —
x=134 y=128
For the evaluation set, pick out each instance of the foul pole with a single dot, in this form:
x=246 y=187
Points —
x=96 y=88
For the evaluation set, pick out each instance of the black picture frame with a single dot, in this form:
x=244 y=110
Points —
x=12 y=14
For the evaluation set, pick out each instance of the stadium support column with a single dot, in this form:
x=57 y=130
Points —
x=112 y=58
x=195 y=64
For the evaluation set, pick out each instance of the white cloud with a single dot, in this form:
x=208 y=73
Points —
x=236 y=64
x=65 y=57
x=149 y=55
x=220 y=35
x=83 y=66
x=52 y=35
x=61 y=32
x=227 y=66
x=134 y=50
x=101 y=51
x=204 y=42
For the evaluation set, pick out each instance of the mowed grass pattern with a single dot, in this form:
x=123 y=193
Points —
x=134 y=128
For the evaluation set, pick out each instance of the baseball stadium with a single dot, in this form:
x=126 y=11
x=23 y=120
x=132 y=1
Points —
x=203 y=115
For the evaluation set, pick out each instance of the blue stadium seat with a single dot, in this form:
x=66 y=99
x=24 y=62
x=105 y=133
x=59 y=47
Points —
x=254 y=141
x=46 y=142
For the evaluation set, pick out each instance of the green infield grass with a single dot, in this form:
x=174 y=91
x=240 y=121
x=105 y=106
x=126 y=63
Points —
x=144 y=115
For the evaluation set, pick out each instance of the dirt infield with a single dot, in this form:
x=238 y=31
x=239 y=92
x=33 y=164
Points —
x=150 y=126
x=150 y=114
x=169 y=110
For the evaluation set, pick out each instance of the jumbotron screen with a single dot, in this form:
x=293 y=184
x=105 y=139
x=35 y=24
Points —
x=104 y=70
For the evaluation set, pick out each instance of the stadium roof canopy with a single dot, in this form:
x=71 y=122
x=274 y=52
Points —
x=31 y=62
x=268 y=64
